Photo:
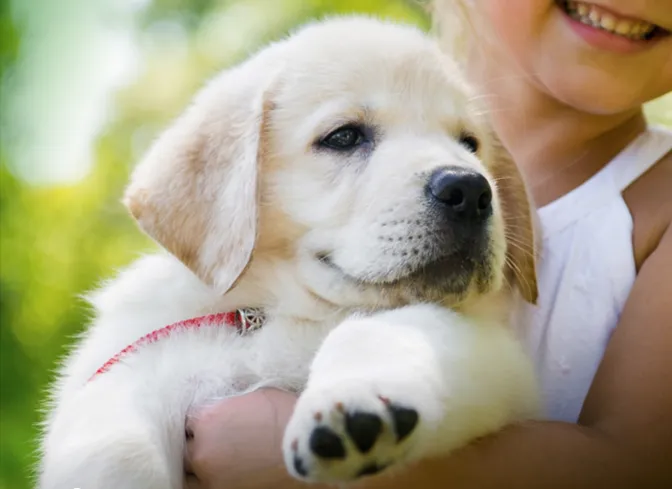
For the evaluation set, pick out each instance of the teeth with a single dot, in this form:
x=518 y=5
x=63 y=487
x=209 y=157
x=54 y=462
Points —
x=624 y=27
x=595 y=16
x=608 y=22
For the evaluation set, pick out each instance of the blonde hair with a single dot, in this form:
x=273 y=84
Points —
x=452 y=25
x=456 y=25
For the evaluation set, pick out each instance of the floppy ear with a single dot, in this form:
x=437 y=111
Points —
x=519 y=224
x=195 y=192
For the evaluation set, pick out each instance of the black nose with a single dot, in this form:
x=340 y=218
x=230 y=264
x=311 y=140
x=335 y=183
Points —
x=462 y=193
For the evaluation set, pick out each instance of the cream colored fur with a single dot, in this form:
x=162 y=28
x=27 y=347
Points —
x=248 y=207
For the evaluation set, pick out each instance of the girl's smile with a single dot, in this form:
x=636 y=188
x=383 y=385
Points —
x=608 y=30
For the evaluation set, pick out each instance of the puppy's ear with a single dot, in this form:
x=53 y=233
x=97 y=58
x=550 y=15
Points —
x=519 y=224
x=195 y=192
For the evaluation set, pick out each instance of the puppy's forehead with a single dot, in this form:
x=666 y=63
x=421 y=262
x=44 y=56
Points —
x=375 y=65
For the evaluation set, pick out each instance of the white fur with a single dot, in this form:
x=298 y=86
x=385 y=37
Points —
x=461 y=371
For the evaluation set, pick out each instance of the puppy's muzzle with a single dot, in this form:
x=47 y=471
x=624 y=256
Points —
x=459 y=202
x=462 y=196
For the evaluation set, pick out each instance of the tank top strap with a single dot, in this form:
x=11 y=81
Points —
x=644 y=152
x=608 y=183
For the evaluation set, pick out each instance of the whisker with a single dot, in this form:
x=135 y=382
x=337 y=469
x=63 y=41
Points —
x=519 y=246
x=517 y=272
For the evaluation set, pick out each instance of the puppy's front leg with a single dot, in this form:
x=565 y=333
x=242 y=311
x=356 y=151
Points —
x=403 y=385
x=101 y=439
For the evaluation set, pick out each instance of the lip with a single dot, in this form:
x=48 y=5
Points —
x=433 y=272
x=605 y=40
x=325 y=259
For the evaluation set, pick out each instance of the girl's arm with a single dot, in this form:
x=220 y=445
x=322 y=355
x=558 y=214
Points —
x=623 y=439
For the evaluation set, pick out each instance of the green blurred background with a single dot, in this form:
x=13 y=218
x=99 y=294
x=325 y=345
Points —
x=86 y=85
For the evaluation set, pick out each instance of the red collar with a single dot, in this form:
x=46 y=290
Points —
x=244 y=320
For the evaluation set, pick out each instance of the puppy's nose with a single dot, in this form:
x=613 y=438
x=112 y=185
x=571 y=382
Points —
x=462 y=193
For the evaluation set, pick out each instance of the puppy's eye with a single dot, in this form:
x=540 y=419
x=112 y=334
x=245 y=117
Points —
x=343 y=138
x=469 y=141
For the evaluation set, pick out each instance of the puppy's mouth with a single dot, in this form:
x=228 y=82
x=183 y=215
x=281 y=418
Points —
x=453 y=274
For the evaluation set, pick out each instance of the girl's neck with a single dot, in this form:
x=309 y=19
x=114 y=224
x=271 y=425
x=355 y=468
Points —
x=557 y=147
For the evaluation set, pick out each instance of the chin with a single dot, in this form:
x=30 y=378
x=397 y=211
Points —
x=601 y=92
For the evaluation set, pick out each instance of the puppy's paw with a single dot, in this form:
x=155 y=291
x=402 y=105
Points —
x=354 y=429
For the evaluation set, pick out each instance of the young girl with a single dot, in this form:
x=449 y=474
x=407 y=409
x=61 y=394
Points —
x=565 y=82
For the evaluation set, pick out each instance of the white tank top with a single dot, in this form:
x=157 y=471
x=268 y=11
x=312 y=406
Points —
x=586 y=271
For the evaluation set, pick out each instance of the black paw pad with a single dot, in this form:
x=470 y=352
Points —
x=299 y=467
x=405 y=420
x=364 y=429
x=371 y=469
x=326 y=444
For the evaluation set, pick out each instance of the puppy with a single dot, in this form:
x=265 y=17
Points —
x=344 y=182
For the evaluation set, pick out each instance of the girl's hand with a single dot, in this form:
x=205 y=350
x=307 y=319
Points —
x=236 y=443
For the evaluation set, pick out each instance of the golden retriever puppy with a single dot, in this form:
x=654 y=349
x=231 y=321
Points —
x=342 y=192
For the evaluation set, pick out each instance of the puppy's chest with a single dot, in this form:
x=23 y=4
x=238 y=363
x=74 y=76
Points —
x=287 y=344
x=279 y=354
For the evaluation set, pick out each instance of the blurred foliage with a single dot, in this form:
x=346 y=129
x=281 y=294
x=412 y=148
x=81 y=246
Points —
x=58 y=241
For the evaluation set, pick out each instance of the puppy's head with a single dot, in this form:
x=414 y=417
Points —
x=354 y=150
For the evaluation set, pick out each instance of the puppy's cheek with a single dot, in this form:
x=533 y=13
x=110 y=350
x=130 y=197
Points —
x=310 y=198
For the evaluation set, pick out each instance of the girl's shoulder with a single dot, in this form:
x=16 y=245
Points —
x=649 y=199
